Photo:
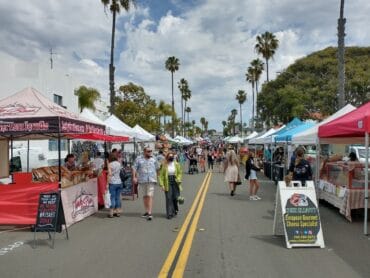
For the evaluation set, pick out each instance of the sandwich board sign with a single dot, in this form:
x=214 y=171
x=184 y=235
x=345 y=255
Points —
x=297 y=215
x=50 y=215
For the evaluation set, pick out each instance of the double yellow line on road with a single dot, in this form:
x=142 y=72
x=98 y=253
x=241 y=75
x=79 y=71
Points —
x=191 y=219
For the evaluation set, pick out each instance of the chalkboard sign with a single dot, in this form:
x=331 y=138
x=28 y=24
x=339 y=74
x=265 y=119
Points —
x=127 y=185
x=50 y=214
x=129 y=189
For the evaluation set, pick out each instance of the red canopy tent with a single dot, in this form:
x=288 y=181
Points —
x=98 y=137
x=353 y=127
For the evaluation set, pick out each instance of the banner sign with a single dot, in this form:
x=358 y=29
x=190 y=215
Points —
x=297 y=210
x=17 y=126
x=80 y=201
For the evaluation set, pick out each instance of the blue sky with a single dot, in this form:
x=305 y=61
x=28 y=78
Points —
x=213 y=39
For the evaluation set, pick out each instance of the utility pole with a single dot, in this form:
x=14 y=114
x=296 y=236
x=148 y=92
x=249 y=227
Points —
x=51 y=58
x=341 y=50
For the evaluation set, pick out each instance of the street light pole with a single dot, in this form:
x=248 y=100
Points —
x=341 y=49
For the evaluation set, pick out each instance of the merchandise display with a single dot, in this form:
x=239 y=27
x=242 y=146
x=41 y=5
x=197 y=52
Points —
x=69 y=178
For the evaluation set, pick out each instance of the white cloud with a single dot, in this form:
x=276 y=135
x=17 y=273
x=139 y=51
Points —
x=214 y=41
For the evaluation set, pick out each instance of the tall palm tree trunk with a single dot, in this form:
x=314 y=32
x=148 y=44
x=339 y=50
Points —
x=173 y=109
x=184 y=113
x=182 y=116
x=189 y=124
x=267 y=69
x=111 y=66
x=253 y=105
x=241 y=120
x=341 y=63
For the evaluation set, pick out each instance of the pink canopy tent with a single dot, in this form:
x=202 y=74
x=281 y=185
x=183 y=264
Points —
x=353 y=127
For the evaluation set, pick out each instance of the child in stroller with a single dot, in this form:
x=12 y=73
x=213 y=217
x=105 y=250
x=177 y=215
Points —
x=193 y=165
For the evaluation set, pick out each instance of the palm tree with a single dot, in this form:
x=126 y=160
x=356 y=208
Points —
x=206 y=126
x=172 y=64
x=267 y=44
x=203 y=122
x=115 y=7
x=87 y=97
x=234 y=112
x=341 y=62
x=186 y=97
x=258 y=67
x=183 y=87
x=188 y=110
x=251 y=79
x=241 y=97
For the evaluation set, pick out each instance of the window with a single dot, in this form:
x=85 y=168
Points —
x=53 y=145
x=58 y=99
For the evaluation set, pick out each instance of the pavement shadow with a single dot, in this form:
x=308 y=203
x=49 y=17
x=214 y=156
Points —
x=271 y=239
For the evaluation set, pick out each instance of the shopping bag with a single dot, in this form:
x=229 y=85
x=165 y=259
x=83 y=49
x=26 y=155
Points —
x=239 y=181
x=107 y=201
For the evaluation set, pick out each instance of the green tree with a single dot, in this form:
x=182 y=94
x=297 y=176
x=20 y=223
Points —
x=202 y=122
x=252 y=76
x=309 y=86
x=267 y=44
x=241 y=97
x=186 y=97
x=87 y=97
x=115 y=7
x=172 y=64
x=136 y=107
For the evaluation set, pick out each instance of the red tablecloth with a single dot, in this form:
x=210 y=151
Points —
x=18 y=202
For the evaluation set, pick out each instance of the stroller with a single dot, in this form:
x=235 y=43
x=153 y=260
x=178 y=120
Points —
x=193 y=165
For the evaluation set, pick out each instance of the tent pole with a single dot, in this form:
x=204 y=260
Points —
x=59 y=163
x=272 y=152
x=28 y=156
x=366 y=180
x=11 y=157
x=317 y=173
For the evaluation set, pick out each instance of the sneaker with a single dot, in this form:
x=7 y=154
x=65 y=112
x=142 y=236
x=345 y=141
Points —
x=145 y=215
x=232 y=193
x=257 y=198
x=252 y=198
x=149 y=217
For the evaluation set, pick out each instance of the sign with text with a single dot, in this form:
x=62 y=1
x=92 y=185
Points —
x=297 y=211
x=47 y=213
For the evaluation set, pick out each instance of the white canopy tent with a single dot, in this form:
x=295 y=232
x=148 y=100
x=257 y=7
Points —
x=310 y=136
x=269 y=139
x=182 y=140
x=145 y=134
x=251 y=136
x=259 y=140
x=89 y=115
x=115 y=126
x=235 y=139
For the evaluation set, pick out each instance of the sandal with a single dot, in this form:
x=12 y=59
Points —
x=117 y=214
x=110 y=216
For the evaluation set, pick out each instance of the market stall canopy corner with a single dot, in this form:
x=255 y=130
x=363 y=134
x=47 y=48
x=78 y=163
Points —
x=30 y=115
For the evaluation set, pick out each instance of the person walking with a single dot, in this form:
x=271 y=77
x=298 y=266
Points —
x=300 y=168
x=170 y=178
x=210 y=160
x=145 y=174
x=251 y=173
x=231 y=170
x=114 y=186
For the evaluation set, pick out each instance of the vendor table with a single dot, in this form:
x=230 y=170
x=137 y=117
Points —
x=351 y=199
x=80 y=201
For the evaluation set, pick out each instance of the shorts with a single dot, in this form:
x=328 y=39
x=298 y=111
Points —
x=147 y=188
x=253 y=175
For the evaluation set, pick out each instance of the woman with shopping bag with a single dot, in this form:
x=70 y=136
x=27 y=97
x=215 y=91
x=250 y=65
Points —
x=114 y=186
x=170 y=178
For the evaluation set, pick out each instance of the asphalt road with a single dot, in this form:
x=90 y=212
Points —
x=233 y=238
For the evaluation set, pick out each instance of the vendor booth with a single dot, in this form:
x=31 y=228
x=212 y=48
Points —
x=351 y=128
x=30 y=115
